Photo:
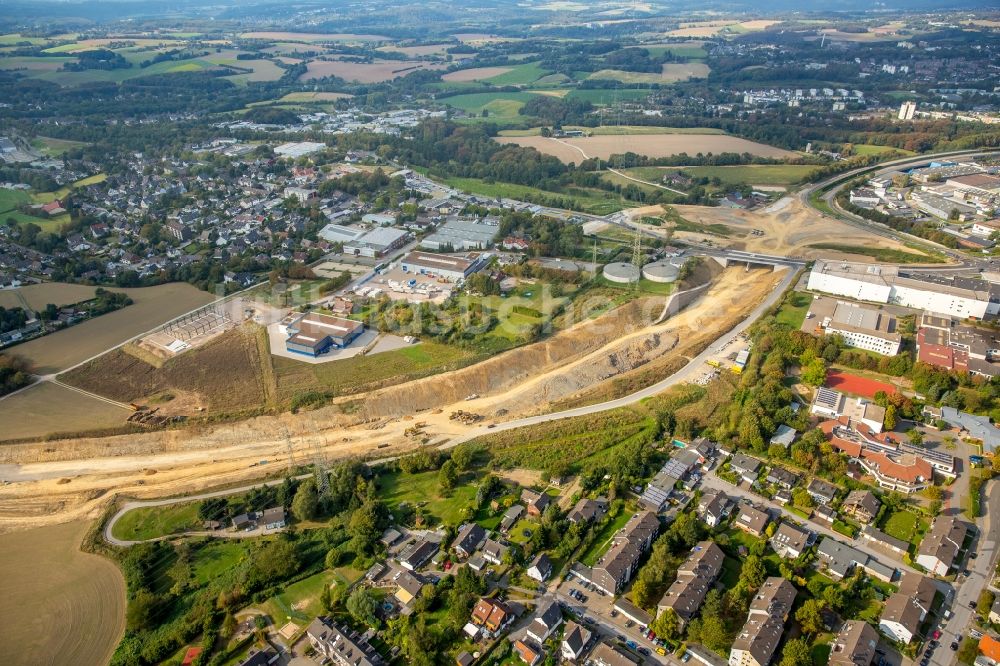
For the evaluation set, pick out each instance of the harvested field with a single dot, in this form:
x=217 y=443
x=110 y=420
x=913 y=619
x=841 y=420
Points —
x=671 y=73
x=421 y=51
x=314 y=37
x=152 y=306
x=652 y=145
x=375 y=72
x=47 y=409
x=475 y=74
x=60 y=605
x=227 y=374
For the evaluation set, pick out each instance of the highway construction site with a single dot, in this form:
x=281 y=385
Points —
x=598 y=359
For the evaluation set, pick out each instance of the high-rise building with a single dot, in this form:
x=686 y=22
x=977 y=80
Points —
x=906 y=110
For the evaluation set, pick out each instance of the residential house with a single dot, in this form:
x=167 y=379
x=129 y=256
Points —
x=782 y=497
x=606 y=654
x=881 y=540
x=575 y=640
x=781 y=477
x=713 y=507
x=408 y=587
x=470 y=537
x=528 y=652
x=510 y=517
x=789 y=541
x=494 y=551
x=417 y=554
x=839 y=560
x=273 y=518
x=588 y=510
x=855 y=645
x=863 y=505
x=620 y=562
x=464 y=659
x=906 y=609
x=751 y=520
x=825 y=514
x=535 y=501
x=695 y=578
x=745 y=467
x=994 y=617
x=758 y=640
x=491 y=614
x=940 y=546
x=546 y=621
x=340 y=645
x=540 y=568
x=632 y=612
x=821 y=491
x=257 y=657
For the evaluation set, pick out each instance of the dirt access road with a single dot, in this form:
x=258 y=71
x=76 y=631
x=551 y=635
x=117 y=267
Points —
x=52 y=483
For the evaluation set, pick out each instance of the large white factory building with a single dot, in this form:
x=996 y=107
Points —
x=941 y=294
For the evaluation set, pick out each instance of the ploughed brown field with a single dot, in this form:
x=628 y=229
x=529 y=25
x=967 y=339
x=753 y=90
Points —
x=60 y=605
x=475 y=74
x=652 y=145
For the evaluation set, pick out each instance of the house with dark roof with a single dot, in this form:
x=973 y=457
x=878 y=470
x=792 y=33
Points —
x=606 y=654
x=619 y=563
x=417 y=554
x=495 y=551
x=546 y=621
x=863 y=505
x=588 y=510
x=789 y=541
x=714 y=507
x=535 y=501
x=510 y=517
x=695 y=578
x=821 y=491
x=540 y=568
x=906 y=609
x=758 y=640
x=575 y=640
x=882 y=541
x=470 y=537
x=745 y=467
x=751 y=520
x=342 y=646
x=940 y=546
x=781 y=477
x=856 y=644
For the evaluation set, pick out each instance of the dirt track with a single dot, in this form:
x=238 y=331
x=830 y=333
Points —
x=184 y=461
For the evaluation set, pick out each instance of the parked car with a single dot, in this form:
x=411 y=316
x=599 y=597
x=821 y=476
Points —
x=631 y=644
x=620 y=638
x=644 y=651
x=954 y=646
x=686 y=658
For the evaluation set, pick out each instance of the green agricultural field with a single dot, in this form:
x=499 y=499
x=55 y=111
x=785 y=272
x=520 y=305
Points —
x=14 y=39
x=11 y=199
x=424 y=489
x=524 y=74
x=46 y=197
x=869 y=149
x=118 y=75
x=55 y=147
x=156 y=521
x=905 y=525
x=793 y=310
x=500 y=105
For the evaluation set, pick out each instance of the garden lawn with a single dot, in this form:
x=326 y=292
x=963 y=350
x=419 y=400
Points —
x=905 y=525
x=156 y=521
x=423 y=489
x=301 y=601
x=793 y=310
x=216 y=557
x=602 y=540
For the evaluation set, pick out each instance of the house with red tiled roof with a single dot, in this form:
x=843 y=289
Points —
x=990 y=648
x=879 y=455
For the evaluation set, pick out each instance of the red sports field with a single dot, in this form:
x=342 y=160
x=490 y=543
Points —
x=846 y=383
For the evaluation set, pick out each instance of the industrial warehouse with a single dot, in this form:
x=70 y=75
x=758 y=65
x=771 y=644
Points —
x=313 y=333
x=448 y=267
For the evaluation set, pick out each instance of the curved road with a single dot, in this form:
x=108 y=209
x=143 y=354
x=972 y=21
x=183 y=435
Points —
x=683 y=375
